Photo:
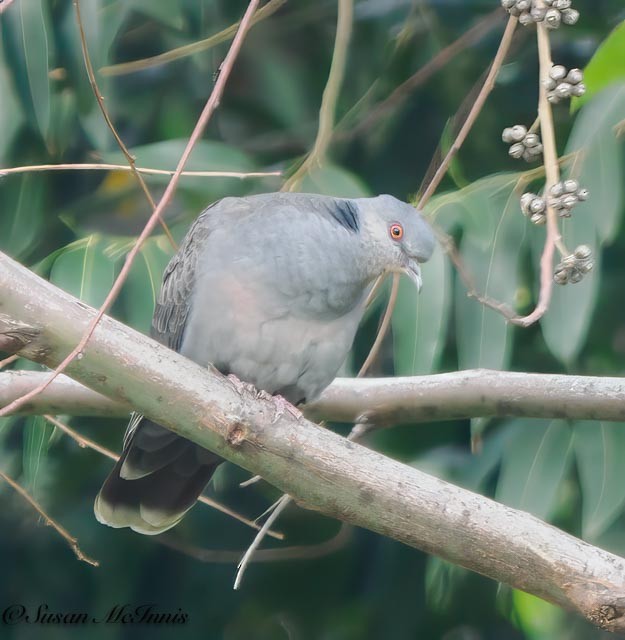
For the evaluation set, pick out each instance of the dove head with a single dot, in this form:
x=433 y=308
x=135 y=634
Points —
x=398 y=236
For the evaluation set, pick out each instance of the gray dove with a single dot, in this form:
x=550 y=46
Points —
x=270 y=289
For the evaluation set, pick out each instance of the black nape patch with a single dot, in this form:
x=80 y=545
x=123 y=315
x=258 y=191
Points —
x=346 y=213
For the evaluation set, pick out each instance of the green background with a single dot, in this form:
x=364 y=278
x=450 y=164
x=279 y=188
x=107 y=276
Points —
x=75 y=228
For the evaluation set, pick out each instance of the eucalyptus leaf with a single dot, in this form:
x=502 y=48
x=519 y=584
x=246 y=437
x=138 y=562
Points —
x=37 y=434
x=535 y=462
x=84 y=270
x=606 y=66
x=599 y=448
x=332 y=180
x=420 y=320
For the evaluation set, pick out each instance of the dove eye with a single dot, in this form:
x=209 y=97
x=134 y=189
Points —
x=396 y=231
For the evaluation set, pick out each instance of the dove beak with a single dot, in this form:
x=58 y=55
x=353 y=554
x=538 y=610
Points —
x=413 y=271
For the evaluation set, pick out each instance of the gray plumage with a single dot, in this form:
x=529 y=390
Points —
x=270 y=288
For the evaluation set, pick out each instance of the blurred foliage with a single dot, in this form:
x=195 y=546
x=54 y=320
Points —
x=75 y=228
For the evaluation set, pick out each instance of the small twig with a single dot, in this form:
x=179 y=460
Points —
x=145 y=170
x=250 y=481
x=487 y=87
x=189 y=49
x=207 y=112
x=109 y=123
x=71 y=541
x=298 y=552
x=553 y=238
x=327 y=111
x=385 y=324
x=9 y=360
x=84 y=442
x=280 y=506
x=424 y=73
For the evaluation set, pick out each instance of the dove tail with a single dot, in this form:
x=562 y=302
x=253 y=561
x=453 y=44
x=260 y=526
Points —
x=157 y=479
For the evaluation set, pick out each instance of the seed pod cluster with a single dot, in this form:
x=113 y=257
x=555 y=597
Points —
x=534 y=207
x=565 y=195
x=552 y=12
x=522 y=144
x=562 y=84
x=574 y=266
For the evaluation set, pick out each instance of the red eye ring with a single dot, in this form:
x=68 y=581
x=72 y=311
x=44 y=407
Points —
x=396 y=231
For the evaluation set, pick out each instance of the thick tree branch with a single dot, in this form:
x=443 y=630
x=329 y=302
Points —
x=385 y=401
x=320 y=469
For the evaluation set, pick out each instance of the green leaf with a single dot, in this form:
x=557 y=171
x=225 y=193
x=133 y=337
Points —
x=534 y=464
x=605 y=67
x=11 y=116
x=598 y=164
x=22 y=214
x=598 y=449
x=332 y=180
x=34 y=25
x=420 y=319
x=84 y=270
x=37 y=434
x=483 y=335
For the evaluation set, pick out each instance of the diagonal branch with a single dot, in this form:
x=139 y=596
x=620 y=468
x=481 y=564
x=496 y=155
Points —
x=319 y=469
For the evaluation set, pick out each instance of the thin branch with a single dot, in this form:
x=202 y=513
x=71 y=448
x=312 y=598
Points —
x=145 y=170
x=279 y=507
x=422 y=75
x=109 y=123
x=487 y=87
x=299 y=552
x=384 y=326
x=7 y=361
x=190 y=49
x=85 y=442
x=553 y=238
x=207 y=112
x=327 y=112
x=64 y=533
x=387 y=401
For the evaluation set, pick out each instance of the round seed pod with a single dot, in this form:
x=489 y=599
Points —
x=538 y=14
x=583 y=194
x=553 y=98
x=553 y=18
x=537 y=205
x=531 y=140
x=575 y=276
x=575 y=76
x=518 y=132
x=561 y=276
x=563 y=90
x=569 y=262
x=561 y=4
x=557 y=189
x=570 y=16
x=508 y=4
x=568 y=201
x=538 y=218
x=526 y=200
x=582 y=252
x=550 y=84
x=523 y=5
x=517 y=150
x=586 y=266
x=526 y=19
x=506 y=135
x=570 y=186
x=557 y=72
x=578 y=90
